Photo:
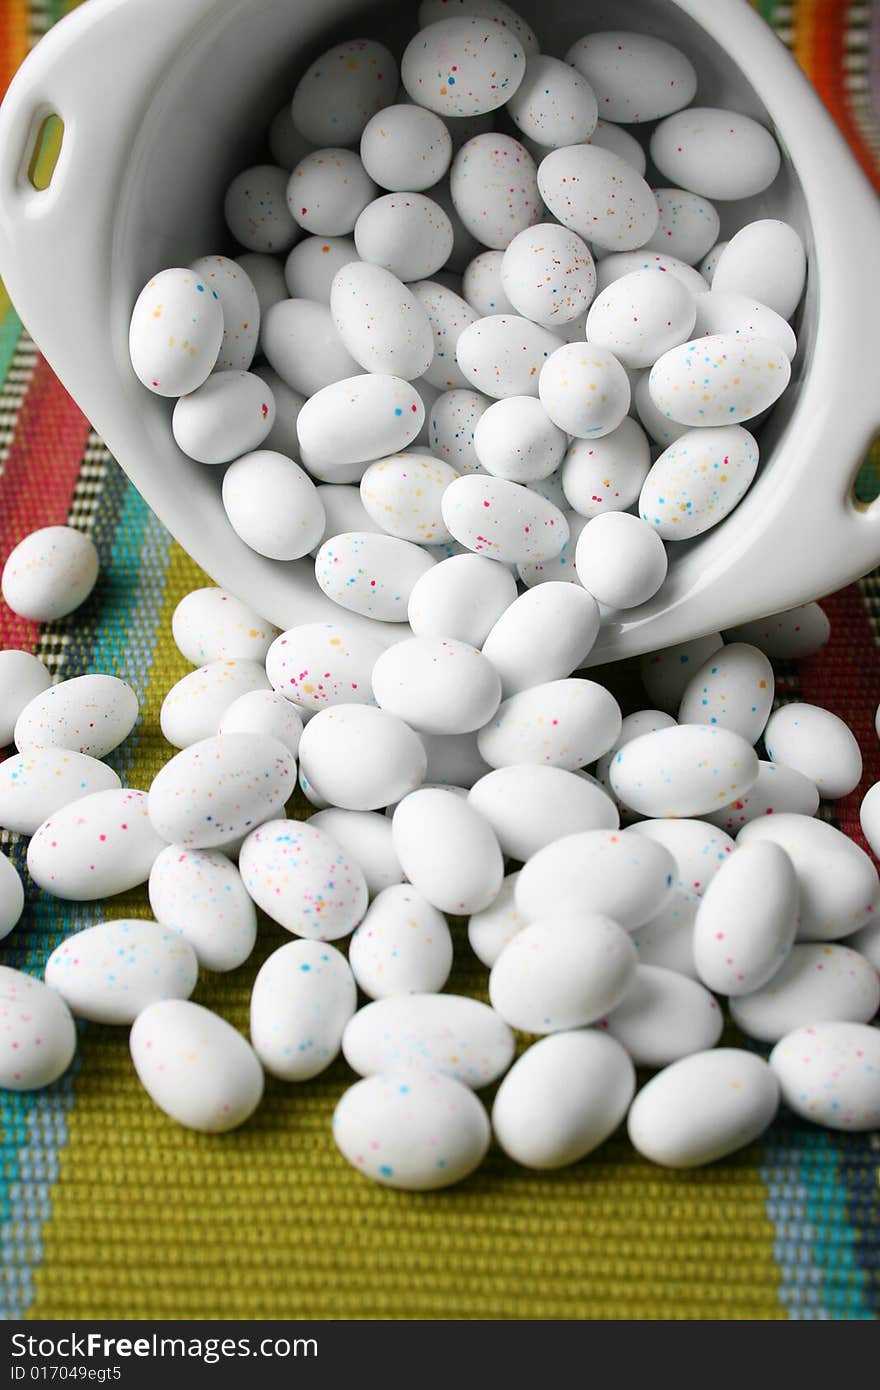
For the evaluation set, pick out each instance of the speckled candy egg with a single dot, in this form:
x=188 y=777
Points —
x=110 y=972
x=321 y=664
x=667 y=939
x=452 y=425
x=371 y=574
x=402 y=946
x=11 y=896
x=342 y=90
x=643 y=721
x=503 y=520
x=438 y=685
x=720 y=380
x=490 y=930
x=448 y=851
x=402 y=494
x=406 y=148
x=448 y=316
x=411 y=1132
x=37 y=783
x=636 y=77
x=193 y=707
x=481 y=284
x=199 y=893
x=430 y=11
x=609 y=136
x=211 y=625
x=817 y=983
x=698 y=480
x=584 y=390
x=405 y=233
x=641 y=316
x=613 y=873
x=598 y=195
x=788 y=636
x=256 y=210
x=563 y=723
x=709 y=264
x=327 y=192
x=272 y=504
x=303 y=879
x=230 y=414
x=267 y=277
x=361 y=758
x=817 y=743
x=425 y=1033
x=688 y=226
x=302 y=998
x=830 y=1073
x=606 y=474
x=195 y=1066
x=620 y=560
x=720 y=154
x=358 y=420
x=733 y=689
x=267 y=713
x=685 y=771
x=312 y=264
x=837 y=880
x=664 y=1016
x=661 y=429
x=88 y=714
x=503 y=355
x=765 y=260
x=548 y=275
x=563 y=1097
x=463 y=66
x=366 y=838
x=22 y=678
x=544 y=635
x=699 y=850
x=562 y=972
x=724 y=312
x=219 y=789
x=461 y=598
x=37 y=1031
x=703 y=1108
x=241 y=310
x=554 y=104
x=380 y=321
x=516 y=439
x=176 y=332
x=746 y=922
x=665 y=673
x=302 y=345
x=869 y=815
x=494 y=188
x=95 y=847
x=620 y=263
x=778 y=789
x=49 y=573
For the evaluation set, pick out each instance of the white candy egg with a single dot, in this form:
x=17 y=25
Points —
x=869 y=815
x=38 y=1033
x=620 y=560
x=49 y=573
x=503 y=355
x=327 y=192
x=302 y=344
x=667 y=939
x=766 y=261
x=685 y=771
x=461 y=598
x=230 y=414
x=380 y=321
x=88 y=714
x=620 y=142
x=720 y=154
x=266 y=713
x=110 y=972
x=370 y=574
x=95 y=847
x=548 y=275
x=703 y=1108
x=816 y=983
x=286 y=145
x=453 y=420
x=816 y=743
x=302 y=998
x=641 y=316
x=709 y=264
x=543 y=636
x=559 y=569
x=481 y=283
x=516 y=439
x=463 y=66
x=241 y=310
x=195 y=1066
x=636 y=77
x=839 y=888
x=664 y=1016
x=321 y=664
x=257 y=212
x=496 y=10
x=562 y=723
x=503 y=520
x=453 y=759
x=411 y=1132
x=699 y=850
x=361 y=758
x=282 y=437
x=11 y=897
x=598 y=195
x=464 y=244
x=666 y=673
x=358 y=420
x=175 y=333
x=830 y=1073
x=562 y=972
x=490 y=930
x=448 y=316
x=266 y=276
x=643 y=721
x=22 y=678
x=530 y=806
x=777 y=789
x=554 y=104
x=272 y=504
x=303 y=879
x=448 y=851
x=312 y=264
x=343 y=511
x=788 y=636
x=211 y=625
x=688 y=226
x=426 y=1033
x=341 y=91
x=720 y=380
x=37 y=783
x=698 y=480
x=733 y=689
x=220 y=788
x=194 y=706
x=406 y=233
x=728 y=312
x=406 y=148
x=620 y=263
x=199 y=893
x=366 y=838
x=402 y=946
x=494 y=187
x=606 y=474
x=584 y=390
x=438 y=685
x=562 y=1098
x=746 y=922
x=613 y=873
x=403 y=493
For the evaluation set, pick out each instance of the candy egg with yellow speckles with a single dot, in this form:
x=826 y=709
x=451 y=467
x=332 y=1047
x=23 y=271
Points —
x=342 y=90
x=303 y=879
x=402 y=494
x=463 y=66
x=176 y=332
x=733 y=689
x=723 y=379
x=494 y=186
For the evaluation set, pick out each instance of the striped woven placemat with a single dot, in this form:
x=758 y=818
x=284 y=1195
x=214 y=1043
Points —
x=109 y=1210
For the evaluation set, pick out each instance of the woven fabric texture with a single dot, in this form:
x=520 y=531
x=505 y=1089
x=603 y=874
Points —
x=109 y=1210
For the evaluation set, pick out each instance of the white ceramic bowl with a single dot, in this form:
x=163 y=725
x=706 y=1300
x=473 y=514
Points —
x=163 y=101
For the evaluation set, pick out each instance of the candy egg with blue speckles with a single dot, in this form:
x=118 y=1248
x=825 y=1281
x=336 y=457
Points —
x=38 y=782
x=89 y=714
x=336 y=97
x=95 y=847
x=220 y=788
x=199 y=893
x=598 y=195
x=301 y=1000
x=403 y=495
x=358 y=420
x=210 y=624
x=733 y=689
x=720 y=380
x=110 y=972
x=688 y=226
x=241 y=310
x=176 y=332
x=685 y=771
x=463 y=66
x=584 y=390
x=830 y=1073
x=699 y=850
x=494 y=186
x=698 y=480
x=303 y=879
x=371 y=574
x=321 y=664
x=548 y=275
x=38 y=1036
x=426 y=1033
x=503 y=520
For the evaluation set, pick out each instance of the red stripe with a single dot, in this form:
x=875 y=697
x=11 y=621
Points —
x=827 y=72
x=39 y=477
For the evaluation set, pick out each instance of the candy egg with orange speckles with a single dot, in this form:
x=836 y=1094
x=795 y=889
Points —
x=175 y=333
x=463 y=66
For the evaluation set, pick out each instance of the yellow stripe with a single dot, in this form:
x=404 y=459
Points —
x=804 y=27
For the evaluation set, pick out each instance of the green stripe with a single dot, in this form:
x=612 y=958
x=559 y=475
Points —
x=10 y=332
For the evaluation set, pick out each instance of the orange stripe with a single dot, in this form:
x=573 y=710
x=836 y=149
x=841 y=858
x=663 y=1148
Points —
x=819 y=45
x=13 y=39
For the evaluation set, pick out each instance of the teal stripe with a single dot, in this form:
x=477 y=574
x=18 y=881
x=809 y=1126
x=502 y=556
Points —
x=10 y=332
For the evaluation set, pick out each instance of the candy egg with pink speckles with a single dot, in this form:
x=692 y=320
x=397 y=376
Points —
x=321 y=664
x=357 y=420
x=326 y=194
x=608 y=473
x=562 y=723
x=199 y=893
x=503 y=520
x=494 y=186
x=38 y=1037
x=830 y=1073
x=371 y=574
x=698 y=480
x=463 y=66
x=241 y=310
x=228 y=415
x=746 y=922
x=721 y=154
x=733 y=689
x=720 y=380
x=95 y=847
x=303 y=879
x=109 y=972
x=427 y=1033
x=584 y=390
x=598 y=195
x=336 y=97
x=503 y=355
x=548 y=274
x=817 y=982
x=176 y=332
x=257 y=212
x=220 y=788
x=402 y=946
x=778 y=789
